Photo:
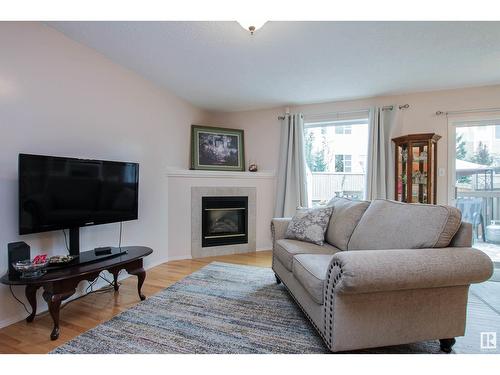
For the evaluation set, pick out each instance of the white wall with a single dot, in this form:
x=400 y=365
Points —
x=59 y=97
x=262 y=127
x=262 y=133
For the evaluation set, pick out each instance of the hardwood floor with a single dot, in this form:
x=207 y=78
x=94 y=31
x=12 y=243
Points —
x=85 y=313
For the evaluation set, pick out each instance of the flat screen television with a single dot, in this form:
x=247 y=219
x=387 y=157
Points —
x=68 y=193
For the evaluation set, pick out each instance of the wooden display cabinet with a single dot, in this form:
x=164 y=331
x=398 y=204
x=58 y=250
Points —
x=416 y=168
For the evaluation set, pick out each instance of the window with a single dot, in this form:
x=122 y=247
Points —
x=474 y=160
x=343 y=163
x=343 y=129
x=336 y=158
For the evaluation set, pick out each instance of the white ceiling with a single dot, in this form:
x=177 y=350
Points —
x=219 y=66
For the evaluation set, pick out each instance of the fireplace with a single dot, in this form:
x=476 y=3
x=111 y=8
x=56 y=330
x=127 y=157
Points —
x=224 y=220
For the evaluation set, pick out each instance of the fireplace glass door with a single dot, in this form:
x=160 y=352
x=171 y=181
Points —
x=224 y=221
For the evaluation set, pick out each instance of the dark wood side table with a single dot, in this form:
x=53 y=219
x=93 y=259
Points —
x=61 y=284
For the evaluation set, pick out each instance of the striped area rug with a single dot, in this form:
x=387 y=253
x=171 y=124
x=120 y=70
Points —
x=222 y=308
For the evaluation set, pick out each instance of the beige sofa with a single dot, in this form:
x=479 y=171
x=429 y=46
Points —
x=389 y=273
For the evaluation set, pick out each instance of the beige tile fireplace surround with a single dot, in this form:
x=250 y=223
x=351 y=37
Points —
x=197 y=193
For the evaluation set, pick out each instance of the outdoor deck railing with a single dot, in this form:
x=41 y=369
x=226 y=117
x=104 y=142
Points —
x=326 y=185
x=490 y=207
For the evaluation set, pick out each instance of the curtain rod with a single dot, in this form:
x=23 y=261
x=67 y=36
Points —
x=440 y=113
x=385 y=108
x=328 y=113
x=391 y=107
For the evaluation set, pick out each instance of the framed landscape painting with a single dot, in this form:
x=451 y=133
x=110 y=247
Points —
x=217 y=149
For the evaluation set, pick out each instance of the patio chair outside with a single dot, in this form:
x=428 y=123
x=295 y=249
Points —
x=471 y=208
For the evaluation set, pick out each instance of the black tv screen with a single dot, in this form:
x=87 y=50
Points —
x=60 y=193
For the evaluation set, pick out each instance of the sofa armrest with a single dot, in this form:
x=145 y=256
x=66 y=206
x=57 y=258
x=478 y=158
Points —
x=279 y=227
x=368 y=271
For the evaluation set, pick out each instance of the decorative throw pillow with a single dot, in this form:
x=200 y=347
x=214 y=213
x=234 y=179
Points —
x=309 y=225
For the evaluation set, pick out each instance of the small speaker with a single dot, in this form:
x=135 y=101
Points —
x=17 y=251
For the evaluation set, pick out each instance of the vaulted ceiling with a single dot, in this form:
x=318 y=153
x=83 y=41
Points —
x=220 y=66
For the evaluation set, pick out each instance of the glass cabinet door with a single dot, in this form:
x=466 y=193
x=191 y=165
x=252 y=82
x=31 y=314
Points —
x=401 y=173
x=419 y=172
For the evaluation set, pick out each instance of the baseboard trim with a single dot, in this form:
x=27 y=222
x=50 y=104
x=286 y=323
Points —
x=180 y=257
x=9 y=321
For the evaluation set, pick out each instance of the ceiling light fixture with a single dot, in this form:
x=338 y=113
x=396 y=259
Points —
x=251 y=26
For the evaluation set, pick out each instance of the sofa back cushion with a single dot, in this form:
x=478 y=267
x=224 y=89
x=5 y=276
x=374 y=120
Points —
x=346 y=215
x=395 y=225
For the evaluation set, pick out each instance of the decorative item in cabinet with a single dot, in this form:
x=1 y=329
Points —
x=416 y=168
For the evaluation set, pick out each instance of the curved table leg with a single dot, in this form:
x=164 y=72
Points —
x=115 y=280
x=30 y=293
x=54 y=302
x=141 y=276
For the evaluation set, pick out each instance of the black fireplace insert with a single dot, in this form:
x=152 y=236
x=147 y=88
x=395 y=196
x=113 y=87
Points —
x=224 y=221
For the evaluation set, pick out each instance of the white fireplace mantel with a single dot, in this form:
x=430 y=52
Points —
x=189 y=173
x=180 y=184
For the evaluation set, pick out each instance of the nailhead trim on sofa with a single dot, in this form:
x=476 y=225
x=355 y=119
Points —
x=336 y=269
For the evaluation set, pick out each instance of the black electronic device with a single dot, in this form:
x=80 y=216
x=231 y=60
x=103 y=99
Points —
x=102 y=250
x=68 y=193
x=17 y=251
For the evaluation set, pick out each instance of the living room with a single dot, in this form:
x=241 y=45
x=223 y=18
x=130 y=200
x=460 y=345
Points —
x=204 y=185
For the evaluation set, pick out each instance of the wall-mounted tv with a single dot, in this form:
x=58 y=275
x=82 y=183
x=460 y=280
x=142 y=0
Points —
x=68 y=193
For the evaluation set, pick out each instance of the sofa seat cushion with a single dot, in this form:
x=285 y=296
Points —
x=286 y=249
x=395 y=225
x=310 y=271
x=346 y=215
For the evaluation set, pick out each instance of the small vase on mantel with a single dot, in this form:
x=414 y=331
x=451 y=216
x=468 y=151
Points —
x=252 y=166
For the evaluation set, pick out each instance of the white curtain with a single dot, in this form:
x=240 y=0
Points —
x=291 y=184
x=380 y=168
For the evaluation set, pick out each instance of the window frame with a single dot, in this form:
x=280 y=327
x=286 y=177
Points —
x=316 y=123
x=346 y=160
x=343 y=129
x=456 y=121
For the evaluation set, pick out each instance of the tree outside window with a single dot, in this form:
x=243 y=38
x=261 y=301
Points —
x=482 y=155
